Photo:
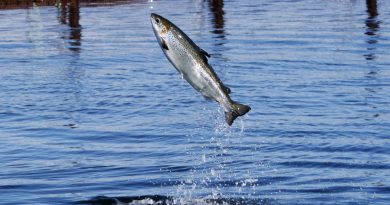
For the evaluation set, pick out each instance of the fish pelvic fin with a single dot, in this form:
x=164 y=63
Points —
x=237 y=110
x=227 y=89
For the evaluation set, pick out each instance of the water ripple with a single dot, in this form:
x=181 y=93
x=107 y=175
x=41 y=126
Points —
x=91 y=112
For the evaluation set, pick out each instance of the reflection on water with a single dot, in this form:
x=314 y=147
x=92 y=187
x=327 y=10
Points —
x=218 y=23
x=69 y=11
x=216 y=8
x=34 y=34
x=19 y=4
x=69 y=14
x=372 y=27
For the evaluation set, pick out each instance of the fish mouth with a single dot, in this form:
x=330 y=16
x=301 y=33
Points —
x=155 y=27
x=160 y=25
x=153 y=21
x=157 y=19
x=154 y=16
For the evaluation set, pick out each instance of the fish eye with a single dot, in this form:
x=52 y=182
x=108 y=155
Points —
x=157 y=20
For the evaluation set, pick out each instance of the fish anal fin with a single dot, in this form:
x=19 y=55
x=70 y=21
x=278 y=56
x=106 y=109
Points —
x=164 y=44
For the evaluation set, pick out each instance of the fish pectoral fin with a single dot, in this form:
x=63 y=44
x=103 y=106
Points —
x=164 y=44
x=205 y=53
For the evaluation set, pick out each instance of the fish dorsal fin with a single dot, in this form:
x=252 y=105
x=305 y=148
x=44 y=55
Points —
x=164 y=44
x=205 y=53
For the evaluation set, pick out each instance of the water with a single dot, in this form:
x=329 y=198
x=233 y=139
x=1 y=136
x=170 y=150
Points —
x=91 y=112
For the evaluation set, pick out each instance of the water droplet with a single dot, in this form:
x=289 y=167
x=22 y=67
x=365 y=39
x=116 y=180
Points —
x=204 y=158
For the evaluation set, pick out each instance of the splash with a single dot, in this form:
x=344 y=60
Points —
x=151 y=2
x=164 y=200
x=214 y=174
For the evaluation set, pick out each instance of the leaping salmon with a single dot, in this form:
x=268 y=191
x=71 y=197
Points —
x=191 y=62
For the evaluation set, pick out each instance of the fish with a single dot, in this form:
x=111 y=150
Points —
x=192 y=63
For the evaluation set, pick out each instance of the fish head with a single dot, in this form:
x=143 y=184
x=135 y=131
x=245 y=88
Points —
x=161 y=25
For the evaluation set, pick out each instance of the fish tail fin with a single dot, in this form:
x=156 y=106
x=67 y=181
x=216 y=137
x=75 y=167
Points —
x=237 y=110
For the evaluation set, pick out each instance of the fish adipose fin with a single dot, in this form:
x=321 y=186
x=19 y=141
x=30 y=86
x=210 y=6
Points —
x=164 y=44
x=205 y=53
x=237 y=110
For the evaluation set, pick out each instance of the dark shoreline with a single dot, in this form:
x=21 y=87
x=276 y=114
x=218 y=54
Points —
x=24 y=4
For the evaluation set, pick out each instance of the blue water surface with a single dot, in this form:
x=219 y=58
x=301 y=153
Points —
x=91 y=111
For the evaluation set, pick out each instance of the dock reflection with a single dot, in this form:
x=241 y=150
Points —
x=218 y=21
x=371 y=31
x=25 y=4
x=372 y=28
x=69 y=13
